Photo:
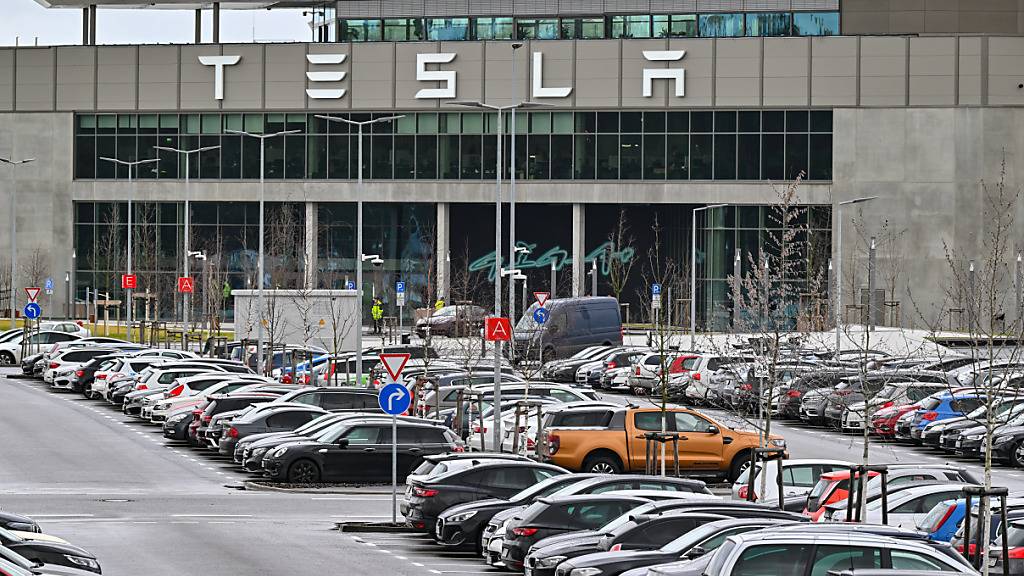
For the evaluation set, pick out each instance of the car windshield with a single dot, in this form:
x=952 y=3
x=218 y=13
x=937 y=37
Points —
x=887 y=391
x=930 y=403
x=542 y=489
x=9 y=536
x=526 y=322
x=692 y=538
x=615 y=523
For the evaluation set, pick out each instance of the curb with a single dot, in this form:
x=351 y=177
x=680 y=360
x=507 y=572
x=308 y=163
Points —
x=353 y=490
x=368 y=527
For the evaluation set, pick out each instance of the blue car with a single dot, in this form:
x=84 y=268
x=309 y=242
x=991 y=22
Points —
x=942 y=521
x=943 y=407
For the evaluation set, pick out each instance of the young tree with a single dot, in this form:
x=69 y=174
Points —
x=620 y=242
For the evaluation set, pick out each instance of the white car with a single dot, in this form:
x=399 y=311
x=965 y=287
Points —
x=67 y=361
x=195 y=389
x=908 y=507
x=11 y=349
x=66 y=326
x=798 y=478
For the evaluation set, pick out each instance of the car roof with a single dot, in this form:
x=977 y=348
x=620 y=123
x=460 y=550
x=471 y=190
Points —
x=493 y=464
x=620 y=477
x=604 y=496
x=666 y=495
x=474 y=455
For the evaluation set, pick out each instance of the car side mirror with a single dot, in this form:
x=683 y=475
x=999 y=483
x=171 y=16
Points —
x=695 y=552
x=713 y=429
x=342 y=442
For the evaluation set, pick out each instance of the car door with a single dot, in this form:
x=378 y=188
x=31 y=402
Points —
x=504 y=481
x=699 y=448
x=830 y=559
x=648 y=420
x=289 y=420
x=353 y=462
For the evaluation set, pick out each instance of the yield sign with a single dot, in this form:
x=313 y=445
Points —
x=394 y=364
x=32 y=293
x=541 y=297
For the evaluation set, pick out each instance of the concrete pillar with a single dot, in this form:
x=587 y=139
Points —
x=216 y=22
x=443 y=257
x=579 y=249
x=311 y=248
x=199 y=25
x=92 y=25
x=85 y=26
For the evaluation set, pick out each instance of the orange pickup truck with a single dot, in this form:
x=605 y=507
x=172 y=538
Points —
x=617 y=445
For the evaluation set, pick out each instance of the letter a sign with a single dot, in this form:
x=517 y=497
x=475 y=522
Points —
x=185 y=284
x=497 y=329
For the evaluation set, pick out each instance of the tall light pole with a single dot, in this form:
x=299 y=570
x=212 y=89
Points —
x=497 y=250
x=131 y=193
x=359 y=232
x=259 y=284
x=14 y=229
x=512 y=256
x=693 y=273
x=185 y=296
x=839 y=259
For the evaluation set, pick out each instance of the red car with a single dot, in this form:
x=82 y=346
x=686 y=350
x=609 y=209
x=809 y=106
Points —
x=831 y=488
x=883 y=422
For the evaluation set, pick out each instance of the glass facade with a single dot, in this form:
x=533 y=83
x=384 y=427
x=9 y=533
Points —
x=712 y=25
x=228 y=233
x=581 y=145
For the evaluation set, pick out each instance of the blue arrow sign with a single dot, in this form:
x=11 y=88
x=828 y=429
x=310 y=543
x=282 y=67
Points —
x=350 y=285
x=32 y=311
x=655 y=289
x=540 y=315
x=394 y=399
x=400 y=287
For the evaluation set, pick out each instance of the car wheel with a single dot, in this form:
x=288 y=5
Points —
x=639 y=391
x=303 y=472
x=1018 y=455
x=6 y=358
x=602 y=464
x=739 y=463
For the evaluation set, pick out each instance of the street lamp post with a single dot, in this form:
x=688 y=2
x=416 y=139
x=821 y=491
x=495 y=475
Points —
x=14 y=229
x=259 y=283
x=359 y=230
x=839 y=259
x=497 y=249
x=512 y=256
x=185 y=296
x=693 y=273
x=131 y=193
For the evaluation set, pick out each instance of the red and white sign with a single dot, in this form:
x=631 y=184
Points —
x=394 y=364
x=128 y=282
x=497 y=329
x=185 y=284
x=542 y=297
x=32 y=293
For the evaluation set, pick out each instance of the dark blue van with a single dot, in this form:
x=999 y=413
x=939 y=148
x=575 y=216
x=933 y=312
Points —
x=572 y=325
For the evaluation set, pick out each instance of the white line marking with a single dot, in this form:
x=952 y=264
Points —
x=62 y=515
x=211 y=515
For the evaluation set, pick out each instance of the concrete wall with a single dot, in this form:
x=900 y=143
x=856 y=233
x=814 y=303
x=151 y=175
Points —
x=732 y=72
x=42 y=199
x=323 y=313
x=932 y=170
x=932 y=16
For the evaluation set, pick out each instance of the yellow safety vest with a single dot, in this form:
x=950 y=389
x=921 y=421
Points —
x=438 y=305
x=377 y=312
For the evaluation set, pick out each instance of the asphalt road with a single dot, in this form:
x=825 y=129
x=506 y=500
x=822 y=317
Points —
x=145 y=506
x=96 y=478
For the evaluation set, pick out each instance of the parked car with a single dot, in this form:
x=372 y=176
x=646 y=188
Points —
x=48 y=551
x=572 y=325
x=943 y=407
x=274 y=418
x=359 y=451
x=564 y=369
x=18 y=523
x=690 y=540
x=456 y=320
x=557 y=515
x=705 y=445
x=11 y=349
x=432 y=496
x=799 y=476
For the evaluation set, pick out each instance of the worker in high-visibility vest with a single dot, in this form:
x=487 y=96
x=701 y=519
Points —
x=377 y=313
x=439 y=304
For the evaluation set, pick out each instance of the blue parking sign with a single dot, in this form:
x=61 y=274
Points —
x=400 y=287
x=655 y=289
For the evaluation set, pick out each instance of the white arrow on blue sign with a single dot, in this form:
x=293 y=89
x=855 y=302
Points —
x=32 y=311
x=655 y=289
x=394 y=399
x=540 y=315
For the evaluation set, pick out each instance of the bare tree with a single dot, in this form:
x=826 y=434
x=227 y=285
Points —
x=619 y=266
x=35 y=265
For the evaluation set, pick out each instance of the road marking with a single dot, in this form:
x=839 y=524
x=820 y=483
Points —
x=219 y=522
x=62 y=515
x=211 y=515
x=383 y=498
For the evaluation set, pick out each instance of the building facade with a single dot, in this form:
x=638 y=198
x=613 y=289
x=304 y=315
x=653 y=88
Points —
x=636 y=116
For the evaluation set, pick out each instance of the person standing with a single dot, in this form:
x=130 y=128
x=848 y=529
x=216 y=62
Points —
x=377 y=313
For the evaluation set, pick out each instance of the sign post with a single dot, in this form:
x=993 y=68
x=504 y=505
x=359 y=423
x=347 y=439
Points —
x=394 y=399
x=400 y=300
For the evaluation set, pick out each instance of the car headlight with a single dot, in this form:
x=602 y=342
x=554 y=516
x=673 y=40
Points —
x=585 y=572
x=778 y=442
x=1001 y=440
x=461 y=517
x=279 y=452
x=973 y=437
x=83 y=561
x=549 y=562
x=178 y=418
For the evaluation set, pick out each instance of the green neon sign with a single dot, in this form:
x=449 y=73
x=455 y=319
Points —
x=603 y=254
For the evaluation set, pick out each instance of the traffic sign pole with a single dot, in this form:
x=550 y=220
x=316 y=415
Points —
x=394 y=399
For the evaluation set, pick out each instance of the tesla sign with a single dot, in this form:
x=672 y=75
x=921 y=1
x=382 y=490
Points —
x=430 y=67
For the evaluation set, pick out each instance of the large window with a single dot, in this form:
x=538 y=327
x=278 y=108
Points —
x=556 y=145
x=728 y=24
